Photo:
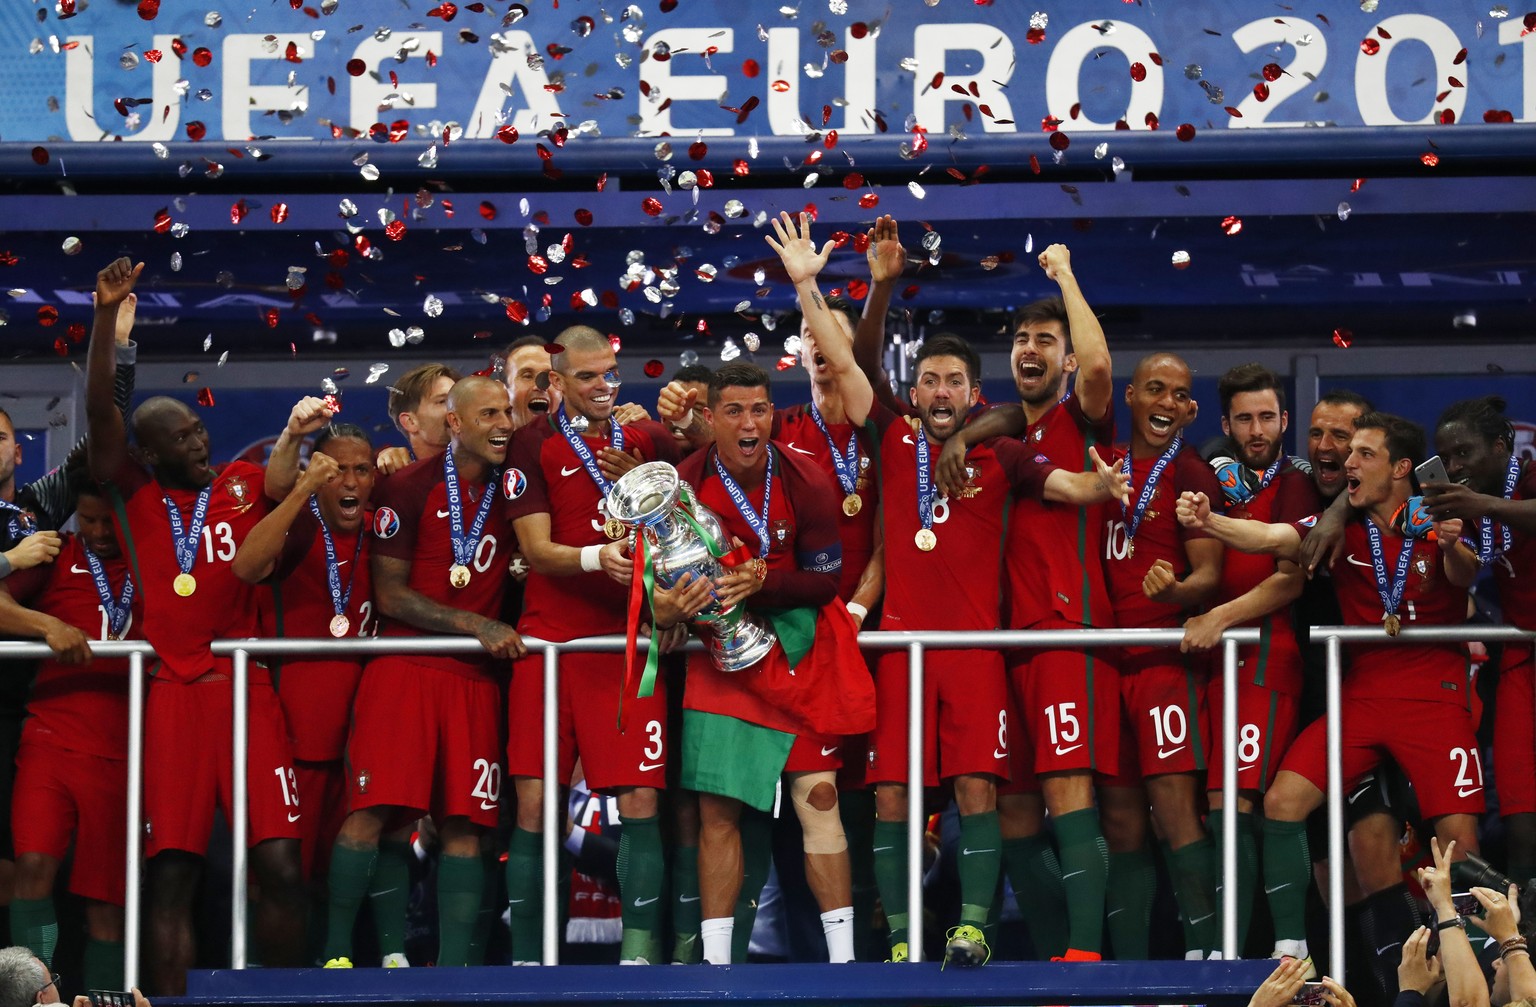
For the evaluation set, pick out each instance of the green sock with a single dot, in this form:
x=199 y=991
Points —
x=891 y=875
x=490 y=907
x=1084 y=869
x=525 y=891
x=756 y=858
x=981 y=859
x=390 y=894
x=1287 y=869
x=1035 y=874
x=1193 y=871
x=1132 y=885
x=1247 y=870
x=685 y=906
x=460 y=883
x=642 y=870
x=34 y=925
x=857 y=810
x=102 y=968
x=351 y=868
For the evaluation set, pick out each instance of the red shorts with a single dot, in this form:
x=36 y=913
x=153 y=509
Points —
x=1266 y=724
x=1165 y=727
x=188 y=770
x=1514 y=733
x=62 y=795
x=855 y=770
x=1433 y=743
x=814 y=753
x=324 y=786
x=590 y=686
x=317 y=702
x=1070 y=704
x=425 y=739
x=965 y=717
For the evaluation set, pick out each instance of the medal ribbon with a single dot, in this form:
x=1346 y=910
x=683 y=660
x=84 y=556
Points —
x=1391 y=595
x=1269 y=474
x=117 y=610
x=186 y=538
x=1485 y=552
x=1133 y=518
x=584 y=453
x=846 y=464
x=464 y=542
x=926 y=491
x=339 y=600
x=21 y=523
x=757 y=522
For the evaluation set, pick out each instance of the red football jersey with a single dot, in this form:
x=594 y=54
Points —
x=1159 y=536
x=1437 y=673
x=1514 y=573
x=303 y=587
x=1053 y=549
x=549 y=478
x=956 y=585
x=84 y=708
x=222 y=607
x=795 y=429
x=411 y=522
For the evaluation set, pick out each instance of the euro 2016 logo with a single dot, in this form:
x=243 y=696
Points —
x=385 y=523
x=513 y=483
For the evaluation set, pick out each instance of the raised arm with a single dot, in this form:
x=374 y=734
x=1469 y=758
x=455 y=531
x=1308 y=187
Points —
x=397 y=600
x=1106 y=482
x=678 y=407
x=308 y=415
x=999 y=421
x=258 y=555
x=803 y=263
x=108 y=431
x=1461 y=563
x=887 y=259
x=1279 y=540
x=1095 y=383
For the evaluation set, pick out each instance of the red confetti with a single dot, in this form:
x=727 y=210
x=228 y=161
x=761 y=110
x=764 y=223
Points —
x=202 y=56
x=1356 y=184
x=910 y=292
x=1461 y=58
x=196 y=130
x=9 y=258
x=1447 y=116
x=507 y=133
x=1430 y=159
x=1273 y=72
x=552 y=348
x=1060 y=141
x=584 y=217
x=488 y=210
x=1138 y=72
x=446 y=11
x=706 y=178
x=279 y=212
x=1231 y=110
x=1185 y=132
x=178 y=47
x=654 y=368
x=47 y=315
x=399 y=130
x=1370 y=46
x=76 y=331
x=1232 y=226
x=1343 y=338
x=291 y=54
x=61 y=346
x=1035 y=36
x=749 y=68
x=394 y=230
x=40 y=155
x=858 y=289
x=153 y=55
x=162 y=221
x=740 y=166
x=1034 y=164
x=1151 y=121
x=271 y=317
x=869 y=200
x=1498 y=115
x=362 y=244
x=1454 y=82
x=517 y=311
x=785 y=362
x=652 y=206
x=858 y=29
x=149 y=9
x=814 y=157
x=780 y=86
x=1261 y=91
x=697 y=150
x=840 y=238
x=667 y=6
x=205 y=397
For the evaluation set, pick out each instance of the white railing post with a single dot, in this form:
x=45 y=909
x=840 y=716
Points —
x=916 y=821
x=550 y=811
x=134 y=845
x=240 y=811
x=1336 y=829
x=1229 y=799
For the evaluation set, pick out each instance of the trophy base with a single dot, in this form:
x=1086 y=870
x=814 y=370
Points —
x=747 y=643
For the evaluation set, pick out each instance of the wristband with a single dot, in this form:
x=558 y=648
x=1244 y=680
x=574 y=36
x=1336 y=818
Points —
x=855 y=609
x=591 y=561
x=1454 y=921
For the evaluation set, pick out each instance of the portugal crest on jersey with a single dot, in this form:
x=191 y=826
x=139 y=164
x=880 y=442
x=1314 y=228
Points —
x=240 y=493
x=513 y=483
x=385 y=523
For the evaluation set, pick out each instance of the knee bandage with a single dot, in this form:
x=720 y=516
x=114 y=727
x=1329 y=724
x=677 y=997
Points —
x=823 y=828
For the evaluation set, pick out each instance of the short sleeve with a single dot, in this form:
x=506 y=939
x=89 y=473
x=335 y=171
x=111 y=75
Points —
x=296 y=546
x=397 y=514
x=527 y=492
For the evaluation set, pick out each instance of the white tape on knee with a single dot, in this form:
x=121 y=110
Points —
x=823 y=830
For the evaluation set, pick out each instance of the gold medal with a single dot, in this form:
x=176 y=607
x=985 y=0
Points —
x=614 y=528
x=458 y=575
x=184 y=584
x=340 y=625
x=1393 y=624
x=852 y=504
x=926 y=539
x=1130 y=547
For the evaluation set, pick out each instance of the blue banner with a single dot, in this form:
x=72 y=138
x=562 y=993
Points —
x=225 y=73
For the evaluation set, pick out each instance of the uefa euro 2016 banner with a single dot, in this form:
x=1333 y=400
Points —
x=418 y=72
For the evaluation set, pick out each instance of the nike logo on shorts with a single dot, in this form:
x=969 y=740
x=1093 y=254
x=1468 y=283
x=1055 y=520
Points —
x=646 y=767
x=293 y=816
x=1170 y=752
x=1069 y=748
x=998 y=753
x=1467 y=791
x=825 y=751
x=487 y=805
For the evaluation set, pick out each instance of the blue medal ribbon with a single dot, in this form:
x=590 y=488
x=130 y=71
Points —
x=117 y=609
x=584 y=453
x=757 y=522
x=1486 y=553
x=340 y=599
x=21 y=523
x=926 y=490
x=464 y=542
x=1133 y=517
x=845 y=464
x=1391 y=594
x=186 y=537
x=1269 y=474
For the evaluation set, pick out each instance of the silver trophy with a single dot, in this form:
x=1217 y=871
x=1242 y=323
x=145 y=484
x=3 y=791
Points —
x=684 y=536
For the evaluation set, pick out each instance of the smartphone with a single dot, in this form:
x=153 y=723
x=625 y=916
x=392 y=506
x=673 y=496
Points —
x=1466 y=904
x=1431 y=470
x=111 y=998
x=1310 y=995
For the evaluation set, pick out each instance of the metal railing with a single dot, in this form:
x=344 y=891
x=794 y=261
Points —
x=915 y=643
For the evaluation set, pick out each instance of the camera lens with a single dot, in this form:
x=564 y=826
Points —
x=1475 y=872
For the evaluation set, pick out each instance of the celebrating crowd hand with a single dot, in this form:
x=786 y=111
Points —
x=1322 y=546
x=1056 y=260
x=1282 y=984
x=949 y=473
x=629 y=412
x=1447 y=532
x=737 y=583
x=309 y=414
x=1453 y=500
x=671 y=607
x=36 y=549
x=321 y=470
x=115 y=282
x=798 y=251
x=1193 y=509
x=1501 y=919
x=68 y=644
x=500 y=640
x=1436 y=880
x=1417 y=970
x=614 y=463
x=886 y=257
x=615 y=563
x=1159 y=579
x=127 y=311
x=1202 y=632
x=1336 y=994
x=1118 y=483
x=675 y=402
x=392 y=460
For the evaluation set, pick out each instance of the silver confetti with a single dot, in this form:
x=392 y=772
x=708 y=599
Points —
x=432 y=307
